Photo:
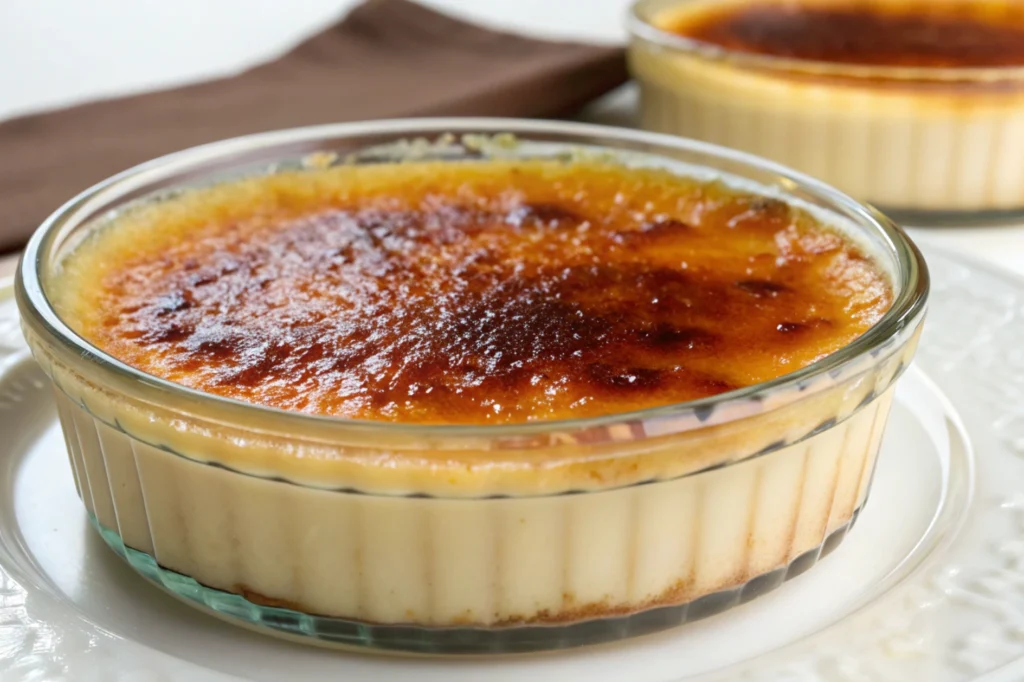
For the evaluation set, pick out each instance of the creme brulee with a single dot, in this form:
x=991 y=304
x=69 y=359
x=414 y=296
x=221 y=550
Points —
x=915 y=105
x=474 y=405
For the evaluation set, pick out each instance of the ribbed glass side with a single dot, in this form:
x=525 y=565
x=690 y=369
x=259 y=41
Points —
x=893 y=151
x=427 y=574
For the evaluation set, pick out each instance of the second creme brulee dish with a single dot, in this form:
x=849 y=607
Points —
x=916 y=105
x=477 y=395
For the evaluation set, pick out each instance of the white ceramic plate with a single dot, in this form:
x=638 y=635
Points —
x=929 y=586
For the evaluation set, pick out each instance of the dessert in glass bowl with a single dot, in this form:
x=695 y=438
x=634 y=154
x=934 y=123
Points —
x=468 y=386
x=914 y=105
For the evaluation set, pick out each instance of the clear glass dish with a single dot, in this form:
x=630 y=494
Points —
x=928 y=144
x=471 y=539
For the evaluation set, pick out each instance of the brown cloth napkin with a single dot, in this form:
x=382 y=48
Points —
x=386 y=59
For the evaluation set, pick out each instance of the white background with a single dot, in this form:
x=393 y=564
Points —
x=59 y=52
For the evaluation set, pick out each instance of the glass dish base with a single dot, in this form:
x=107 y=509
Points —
x=332 y=631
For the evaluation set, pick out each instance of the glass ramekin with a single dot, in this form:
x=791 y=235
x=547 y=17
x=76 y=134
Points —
x=933 y=144
x=471 y=539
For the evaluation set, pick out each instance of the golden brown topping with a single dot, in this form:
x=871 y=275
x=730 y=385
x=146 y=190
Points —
x=469 y=293
x=911 y=33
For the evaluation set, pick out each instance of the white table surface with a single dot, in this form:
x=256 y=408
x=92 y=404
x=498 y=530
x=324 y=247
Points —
x=59 y=52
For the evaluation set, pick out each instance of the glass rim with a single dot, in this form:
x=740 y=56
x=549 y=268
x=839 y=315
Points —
x=910 y=276
x=639 y=25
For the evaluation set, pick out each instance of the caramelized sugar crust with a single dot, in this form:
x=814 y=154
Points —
x=907 y=33
x=481 y=292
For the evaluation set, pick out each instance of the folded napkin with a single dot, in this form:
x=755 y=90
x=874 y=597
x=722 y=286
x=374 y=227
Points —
x=386 y=59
